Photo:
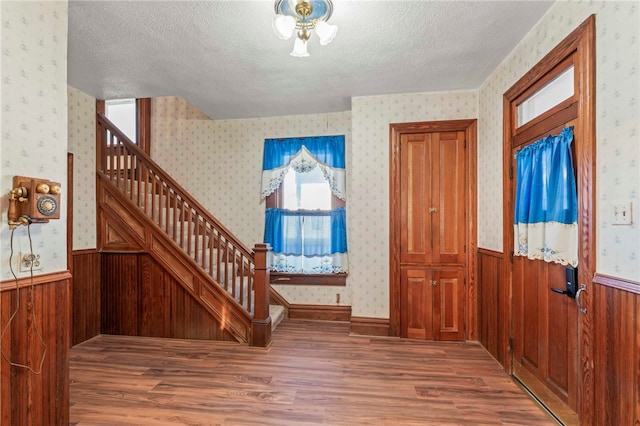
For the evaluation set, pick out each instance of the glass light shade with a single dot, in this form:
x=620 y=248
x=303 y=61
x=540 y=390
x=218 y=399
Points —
x=299 y=49
x=283 y=26
x=326 y=32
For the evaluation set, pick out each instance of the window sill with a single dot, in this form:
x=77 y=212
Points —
x=283 y=278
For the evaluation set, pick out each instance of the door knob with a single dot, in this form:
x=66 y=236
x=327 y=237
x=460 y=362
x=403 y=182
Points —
x=432 y=209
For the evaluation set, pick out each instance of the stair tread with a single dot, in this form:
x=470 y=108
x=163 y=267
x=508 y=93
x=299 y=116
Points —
x=276 y=312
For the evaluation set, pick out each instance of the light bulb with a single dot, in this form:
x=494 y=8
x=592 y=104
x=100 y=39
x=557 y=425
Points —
x=326 y=32
x=299 y=49
x=283 y=26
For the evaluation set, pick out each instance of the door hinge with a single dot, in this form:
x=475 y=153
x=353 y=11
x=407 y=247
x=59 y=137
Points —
x=511 y=256
x=510 y=344
x=510 y=171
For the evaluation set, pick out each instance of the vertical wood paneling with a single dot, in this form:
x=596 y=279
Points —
x=616 y=356
x=86 y=296
x=155 y=294
x=140 y=298
x=120 y=296
x=492 y=305
x=28 y=398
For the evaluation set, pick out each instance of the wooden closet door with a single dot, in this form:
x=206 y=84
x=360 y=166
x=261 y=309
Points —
x=432 y=235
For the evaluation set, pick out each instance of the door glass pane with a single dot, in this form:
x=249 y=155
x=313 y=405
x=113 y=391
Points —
x=553 y=93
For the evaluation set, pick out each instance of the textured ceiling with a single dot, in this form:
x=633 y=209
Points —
x=223 y=57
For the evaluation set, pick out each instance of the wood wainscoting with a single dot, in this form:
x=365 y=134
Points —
x=28 y=398
x=493 y=302
x=140 y=298
x=615 y=333
x=616 y=347
x=86 y=295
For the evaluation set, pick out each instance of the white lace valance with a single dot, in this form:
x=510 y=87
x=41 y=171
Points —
x=303 y=162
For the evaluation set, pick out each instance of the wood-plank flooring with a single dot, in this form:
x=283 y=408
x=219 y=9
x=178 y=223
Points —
x=313 y=374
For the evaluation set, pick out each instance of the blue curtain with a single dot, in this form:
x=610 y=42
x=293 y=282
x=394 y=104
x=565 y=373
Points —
x=303 y=241
x=546 y=205
x=324 y=232
x=304 y=154
x=328 y=150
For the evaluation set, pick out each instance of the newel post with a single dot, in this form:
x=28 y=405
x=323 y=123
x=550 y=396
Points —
x=261 y=323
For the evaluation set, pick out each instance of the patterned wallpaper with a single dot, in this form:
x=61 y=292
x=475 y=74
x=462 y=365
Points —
x=220 y=163
x=617 y=127
x=368 y=202
x=34 y=120
x=82 y=143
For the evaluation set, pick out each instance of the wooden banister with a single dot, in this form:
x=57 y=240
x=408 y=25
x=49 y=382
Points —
x=232 y=266
x=106 y=124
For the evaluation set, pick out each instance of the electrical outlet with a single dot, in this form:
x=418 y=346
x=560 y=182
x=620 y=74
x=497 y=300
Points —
x=29 y=260
x=621 y=213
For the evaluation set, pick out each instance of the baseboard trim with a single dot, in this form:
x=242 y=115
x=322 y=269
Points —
x=370 y=326
x=320 y=312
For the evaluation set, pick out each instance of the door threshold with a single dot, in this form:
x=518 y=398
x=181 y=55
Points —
x=537 y=400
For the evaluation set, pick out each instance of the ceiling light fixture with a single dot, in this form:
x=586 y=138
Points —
x=304 y=16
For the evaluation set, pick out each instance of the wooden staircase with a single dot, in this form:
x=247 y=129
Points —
x=142 y=209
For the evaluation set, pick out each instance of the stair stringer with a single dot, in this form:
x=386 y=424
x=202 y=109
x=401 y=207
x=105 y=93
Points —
x=120 y=216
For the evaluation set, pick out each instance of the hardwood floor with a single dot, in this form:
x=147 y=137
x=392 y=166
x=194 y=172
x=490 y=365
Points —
x=314 y=373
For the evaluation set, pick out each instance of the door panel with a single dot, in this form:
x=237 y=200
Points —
x=448 y=197
x=415 y=183
x=415 y=287
x=448 y=318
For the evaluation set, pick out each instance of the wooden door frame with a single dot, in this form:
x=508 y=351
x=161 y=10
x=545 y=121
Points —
x=470 y=176
x=581 y=44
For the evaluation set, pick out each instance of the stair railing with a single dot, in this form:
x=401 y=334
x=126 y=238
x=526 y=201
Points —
x=241 y=272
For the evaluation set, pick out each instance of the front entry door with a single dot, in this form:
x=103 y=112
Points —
x=545 y=321
x=551 y=332
x=545 y=329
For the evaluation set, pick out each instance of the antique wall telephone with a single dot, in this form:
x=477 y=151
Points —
x=33 y=201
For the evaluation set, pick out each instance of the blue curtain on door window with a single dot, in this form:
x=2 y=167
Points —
x=306 y=242
x=546 y=204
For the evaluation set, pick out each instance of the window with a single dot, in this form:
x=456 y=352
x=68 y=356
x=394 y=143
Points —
x=132 y=116
x=305 y=218
x=306 y=191
x=123 y=113
x=550 y=95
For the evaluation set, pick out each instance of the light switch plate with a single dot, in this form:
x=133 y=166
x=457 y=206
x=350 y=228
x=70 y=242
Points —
x=621 y=213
